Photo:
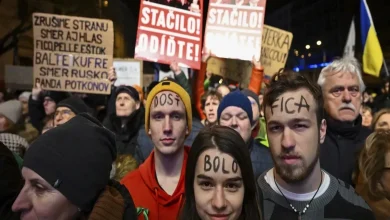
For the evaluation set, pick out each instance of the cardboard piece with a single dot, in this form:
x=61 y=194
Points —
x=129 y=72
x=275 y=48
x=167 y=33
x=72 y=54
x=234 y=29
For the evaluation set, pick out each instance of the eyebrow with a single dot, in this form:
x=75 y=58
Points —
x=205 y=177
x=295 y=120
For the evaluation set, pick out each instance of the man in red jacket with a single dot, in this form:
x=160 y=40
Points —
x=157 y=186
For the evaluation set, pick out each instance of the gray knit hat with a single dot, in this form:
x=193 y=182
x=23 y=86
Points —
x=12 y=110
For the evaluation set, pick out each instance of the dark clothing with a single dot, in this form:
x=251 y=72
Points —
x=36 y=113
x=261 y=158
x=10 y=183
x=381 y=101
x=338 y=202
x=126 y=136
x=339 y=152
x=114 y=203
x=145 y=145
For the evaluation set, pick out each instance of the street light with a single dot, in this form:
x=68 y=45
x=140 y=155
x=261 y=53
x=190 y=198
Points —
x=319 y=42
x=308 y=46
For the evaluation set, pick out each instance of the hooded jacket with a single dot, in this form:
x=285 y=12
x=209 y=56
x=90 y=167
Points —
x=126 y=136
x=149 y=198
x=114 y=203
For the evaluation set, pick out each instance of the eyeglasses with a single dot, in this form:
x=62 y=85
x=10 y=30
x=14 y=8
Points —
x=63 y=112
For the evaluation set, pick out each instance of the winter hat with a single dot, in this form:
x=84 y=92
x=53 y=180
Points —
x=12 y=110
x=75 y=158
x=237 y=99
x=250 y=93
x=133 y=93
x=25 y=96
x=74 y=103
x=56 y=96
x=167 y=85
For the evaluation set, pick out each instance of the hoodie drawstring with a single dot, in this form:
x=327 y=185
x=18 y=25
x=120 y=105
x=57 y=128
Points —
x=156 y=192
x=144 y=211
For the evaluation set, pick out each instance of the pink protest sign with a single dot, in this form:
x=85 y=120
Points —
x=234 y=28
x=170 y=30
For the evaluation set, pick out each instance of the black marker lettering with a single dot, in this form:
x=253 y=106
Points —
x=207 y=164
x=223 y=167
x=281 y=106
x=234 y=166
x=163 y=99
x=155 y=101
x=274 y=106
x=287 y=110
x=300 y=104
x=216 y=164
x=177 y=100
x=170 y=100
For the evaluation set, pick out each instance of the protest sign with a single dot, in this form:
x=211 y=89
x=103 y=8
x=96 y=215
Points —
x=129 y=72
x=170 y=74
x=234 y=30
x=237 y=70
x=72 y=54
x=167 y=32
x=275 y=48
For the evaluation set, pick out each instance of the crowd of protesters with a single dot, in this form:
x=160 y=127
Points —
x=200 y=148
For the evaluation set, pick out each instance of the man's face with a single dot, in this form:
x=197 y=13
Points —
x=210 y=108
x=125 y=105
x=49 y=105
x=366 y=118
x=237 y=119
x=293 y=134
x=62 y=115
x=168 y=123
x=342 y=97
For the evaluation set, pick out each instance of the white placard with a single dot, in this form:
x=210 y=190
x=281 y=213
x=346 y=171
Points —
x=129 y=72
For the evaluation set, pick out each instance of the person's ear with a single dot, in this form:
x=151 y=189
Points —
x=323 y=127
x=187 y=130
x=137 y=105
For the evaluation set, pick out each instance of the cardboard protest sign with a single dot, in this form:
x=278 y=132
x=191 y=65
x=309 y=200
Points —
x=72 y=54
x=234 y=28
x=275 y=48
x=237 y=70
x=129 y=72
x=170 y=31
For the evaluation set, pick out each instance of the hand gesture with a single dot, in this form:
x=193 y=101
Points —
x=175 y=68
x=112 y=75
x=256 y=63
x=36 y=91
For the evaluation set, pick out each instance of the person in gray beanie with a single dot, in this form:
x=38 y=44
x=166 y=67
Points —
x=10 y=114
x=66 y=172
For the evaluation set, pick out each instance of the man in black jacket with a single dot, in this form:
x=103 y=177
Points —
x=342 y=88
x=10 y=183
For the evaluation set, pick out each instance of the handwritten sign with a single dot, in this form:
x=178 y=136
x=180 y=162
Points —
x=72 y=54
x=167 y=32
x=275 y=48
x=129 y=72
x=234 y=30
x=162 y=75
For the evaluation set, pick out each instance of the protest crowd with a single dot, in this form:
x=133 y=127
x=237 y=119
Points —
x=199 y=146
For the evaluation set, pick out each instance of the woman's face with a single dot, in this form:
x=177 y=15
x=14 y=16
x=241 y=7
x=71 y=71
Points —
x=383 y=122
x=39 y=200
x=218 y=186
x=3 y=123
x=210 y=108
x=367 y=118
x=385 y=180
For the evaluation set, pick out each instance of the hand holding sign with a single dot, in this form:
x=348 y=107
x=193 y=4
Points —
x=175 y=68
x=256 y=63
x=112 y=75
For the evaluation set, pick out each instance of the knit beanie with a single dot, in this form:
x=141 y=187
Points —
x=250 y=93
x=12 y=110
x=167 y=85
x=75 y=158
x=74 y=103
x=133 y=93
x=25 y=96
x=237 y=99
x=56 y=96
